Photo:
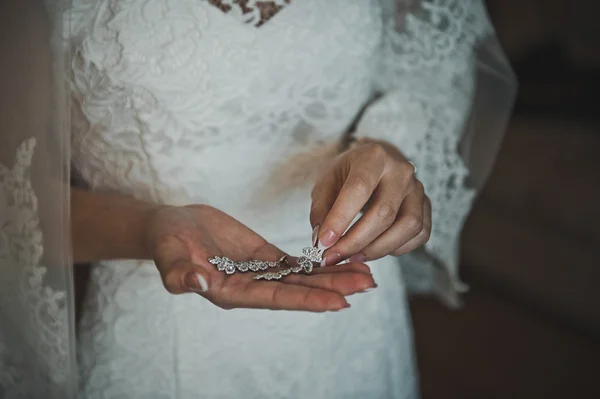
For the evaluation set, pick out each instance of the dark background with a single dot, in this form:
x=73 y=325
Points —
x=530 y=327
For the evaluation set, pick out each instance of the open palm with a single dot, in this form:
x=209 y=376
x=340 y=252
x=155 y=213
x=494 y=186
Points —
x=182 y=239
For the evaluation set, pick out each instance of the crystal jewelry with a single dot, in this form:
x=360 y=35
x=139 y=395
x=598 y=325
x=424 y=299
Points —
x=313 y=253
x=228 y=266
x=304 y=264
x=274 y=276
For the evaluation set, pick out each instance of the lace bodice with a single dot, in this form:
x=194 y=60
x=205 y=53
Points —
x=181 y=98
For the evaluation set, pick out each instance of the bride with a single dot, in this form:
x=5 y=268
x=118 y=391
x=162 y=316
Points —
x=250 y=130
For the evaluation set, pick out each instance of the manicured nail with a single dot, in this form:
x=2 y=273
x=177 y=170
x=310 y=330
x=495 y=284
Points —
x=357 y=258
x=331 y=259
x=327 y=239
x=368 y=290
x=315 y=235
x=346 y=307
x=196 y=282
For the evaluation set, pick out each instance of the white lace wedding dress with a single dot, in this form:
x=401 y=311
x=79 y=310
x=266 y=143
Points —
x=180 y=102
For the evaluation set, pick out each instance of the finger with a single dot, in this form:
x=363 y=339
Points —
x=379 y=217
x=344 y=283
x=422 y=237
x=344 y=268
x=323 y=195
x=359 y=185
x=178 y=273
x=279 y=296
x=409 y=223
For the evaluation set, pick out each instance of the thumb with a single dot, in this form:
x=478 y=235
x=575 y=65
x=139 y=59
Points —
x=179 y=274
x=324 y=195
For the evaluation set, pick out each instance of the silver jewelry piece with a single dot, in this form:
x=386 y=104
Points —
x=274 y=276
x=313 y=253
x=230 y=267
x=305 y=264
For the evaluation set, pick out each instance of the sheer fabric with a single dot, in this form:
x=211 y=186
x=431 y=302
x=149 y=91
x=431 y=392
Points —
x=446 y=94
x=36 y=323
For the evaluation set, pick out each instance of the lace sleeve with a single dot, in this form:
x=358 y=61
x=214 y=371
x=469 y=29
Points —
x=427 y=81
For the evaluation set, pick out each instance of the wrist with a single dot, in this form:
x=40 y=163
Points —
x=143 y=232
x=107 y=227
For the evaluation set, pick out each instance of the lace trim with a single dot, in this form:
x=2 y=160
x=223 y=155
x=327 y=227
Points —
x=426 y=75
x=253 y=12
x=34 y=349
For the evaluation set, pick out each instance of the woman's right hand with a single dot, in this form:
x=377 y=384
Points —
x=182 y=239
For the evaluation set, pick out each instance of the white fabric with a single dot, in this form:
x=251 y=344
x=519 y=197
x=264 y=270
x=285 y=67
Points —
x=180 y=103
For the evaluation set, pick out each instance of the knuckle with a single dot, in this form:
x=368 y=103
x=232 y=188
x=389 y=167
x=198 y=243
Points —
x=414 y=223
x=386 y=212
x=375 y=150
x=362 y=183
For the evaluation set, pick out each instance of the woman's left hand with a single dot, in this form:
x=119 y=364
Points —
x=375 y=178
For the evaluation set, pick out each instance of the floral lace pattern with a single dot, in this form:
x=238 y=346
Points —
x=174 y=100
x=427 y=74
x=37 y=362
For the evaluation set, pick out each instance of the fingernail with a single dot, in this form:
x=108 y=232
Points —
x=327 y=239
x=357 y=258
x=331 y=259
x=315 y=235
x=345 y=307
x=368 y=290
x=196 y=282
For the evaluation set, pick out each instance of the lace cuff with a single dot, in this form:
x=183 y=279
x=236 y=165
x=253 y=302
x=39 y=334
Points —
x=427 y=130
x=427 y=76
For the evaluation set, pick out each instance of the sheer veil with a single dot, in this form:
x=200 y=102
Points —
x=36 y=296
